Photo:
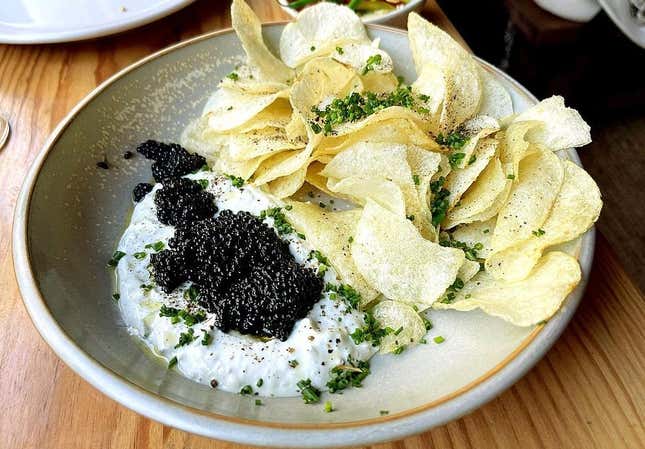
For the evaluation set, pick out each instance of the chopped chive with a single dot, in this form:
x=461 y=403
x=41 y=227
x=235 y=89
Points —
x=172 y=362
x=439 y=339
x=258 y=402
x=259 y=383
x=157 y=246
x=384 y=412
x=510 y=176
x=114 y=261
x=246 y=389
x=328 y=407
x=416 y=180
x=116 y=296
x=140 y=255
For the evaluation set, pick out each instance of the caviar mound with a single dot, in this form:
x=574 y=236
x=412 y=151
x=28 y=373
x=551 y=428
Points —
x=141 y=190
x=182 y=200
x=171 y=160
x=245 y=274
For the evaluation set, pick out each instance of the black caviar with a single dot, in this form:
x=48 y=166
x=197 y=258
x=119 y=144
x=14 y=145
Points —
x=141 y=190
x=171 y=160
x=245 y=274
x=182 y=200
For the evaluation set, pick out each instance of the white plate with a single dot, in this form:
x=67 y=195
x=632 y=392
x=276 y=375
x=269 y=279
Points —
x=48 y=21
x=619 y=12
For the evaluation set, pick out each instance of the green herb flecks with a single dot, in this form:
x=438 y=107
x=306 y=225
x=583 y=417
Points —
x=371 y=62
x=539 y=232
x=310 y=394
x=279 y=220
x=344 y=292
x=471 y=252
x=207 y=338
x=293 y=363
x=510 y=176
x=328 y=407
x=455 y=159
x=186 y=338
x=439 y=339
x=340 y=50
x=451 y=292
x=372 y=331
x=357 y=106
x=259 y=383
x=246 y=389
x=116 y=296
x=439 y=204
x=258 y=402
x=140 y=255
x=350 y=374
x=416 y=180
x=114 y=261
x=233 y=76
x=236 y=180
x=191 y=293
x=454 y=140
x=157 y=246
x=172 y=362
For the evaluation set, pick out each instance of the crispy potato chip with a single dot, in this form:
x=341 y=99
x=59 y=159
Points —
x=314 y=177
x=371 y=159
x=393 y=112
x=477 y=232
x=228 y=108
x=248 y=80
x=288 y=185
x=429 y=44
x=245 y=146
x=496 y=101
x=406 y=323
x=574 y=211
x=321 y=80
x=468 y=270
x=363 y=57
x=296 y=128
x=561 y=127
x=318 y=30
x=475 y=129
x=329 y=233
x=361 y=189
x=530 y=201
x=515 y=147
x=379 y=83
x=432 y=85
x=248 y=28
x=460 y=179
x=243 y=169
x=284 y=163
x=526 y=302
x=482 y=195
x=394 y=259
x=277 y=115
x=393 y=130
x=423 y=165
x=197 y=139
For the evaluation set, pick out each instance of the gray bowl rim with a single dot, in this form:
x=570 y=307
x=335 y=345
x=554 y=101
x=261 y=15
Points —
x=245 y=431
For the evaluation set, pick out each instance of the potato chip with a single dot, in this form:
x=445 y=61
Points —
x=284 y=163
x=277 y=114
x=379 y=83
x=314 y=177
x=432 y=86
x=475 y=129
x=393 y=112
x=468 y=270
x=363 y=58
x=429 y=44
x=196 y=138
x=361 y=189
x=243 y=169
x=476 y=232
x=496 y=101
x=460 y=179
x=482 y=198
x=394 y=130
x=574 y=211
x=296 y=128
x=288 y=185
x=247 y=80
x=228 y=108
x=515 y=147
x=394 y=259
x=561 y=127
x=269 y=140
x=321 y=80
x=531 y=198
x=423 y=166
x=526 y=302
x=248 y=28
x=408 y=327
x=318 y=30
x=329 y=233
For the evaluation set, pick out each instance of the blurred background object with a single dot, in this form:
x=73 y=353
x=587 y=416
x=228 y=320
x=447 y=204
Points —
x=4 y=131
x=600 y=72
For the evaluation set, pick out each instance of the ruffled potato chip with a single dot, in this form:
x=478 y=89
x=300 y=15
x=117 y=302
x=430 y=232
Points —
x=526 y=302
x=574 y=211
x=531 y=199
x=395 y=260
x=393 y=112
x=468 y=270
x=477 y=232
x=248 y=28
x=284 y=163
x=329 y=233
x=484 y=197
x=314 y=177
x=475 y=129
x=361 y=189
x=318 y=30
x=286 y=186
x=429 y=44
x=277 y=115
x=424 y=165
x=228 y=108
x=248 y=80
x=406 y=323
x=460 y=179
x=269 y=140
x=560 y=127
x=496 y=101
x=363 y=58
x=198 y=138
x=432 y=86
x=379 y=83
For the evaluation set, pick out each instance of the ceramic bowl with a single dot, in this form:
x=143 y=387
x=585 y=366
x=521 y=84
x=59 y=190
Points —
x=70 y=215
x=396 y=17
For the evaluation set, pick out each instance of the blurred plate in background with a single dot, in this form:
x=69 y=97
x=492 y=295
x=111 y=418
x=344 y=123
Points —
x=47 y=21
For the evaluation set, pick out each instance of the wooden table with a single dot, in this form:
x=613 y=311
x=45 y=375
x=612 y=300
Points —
x=588 y=392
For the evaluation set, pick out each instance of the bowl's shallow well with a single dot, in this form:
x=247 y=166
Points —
x=70 y=216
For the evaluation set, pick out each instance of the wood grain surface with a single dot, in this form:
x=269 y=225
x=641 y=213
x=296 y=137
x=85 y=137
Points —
x=588 y=392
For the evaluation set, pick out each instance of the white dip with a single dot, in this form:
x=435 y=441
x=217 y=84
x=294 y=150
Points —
x=317 y=343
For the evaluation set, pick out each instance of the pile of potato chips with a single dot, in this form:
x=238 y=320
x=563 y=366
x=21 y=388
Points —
x=459 y=202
